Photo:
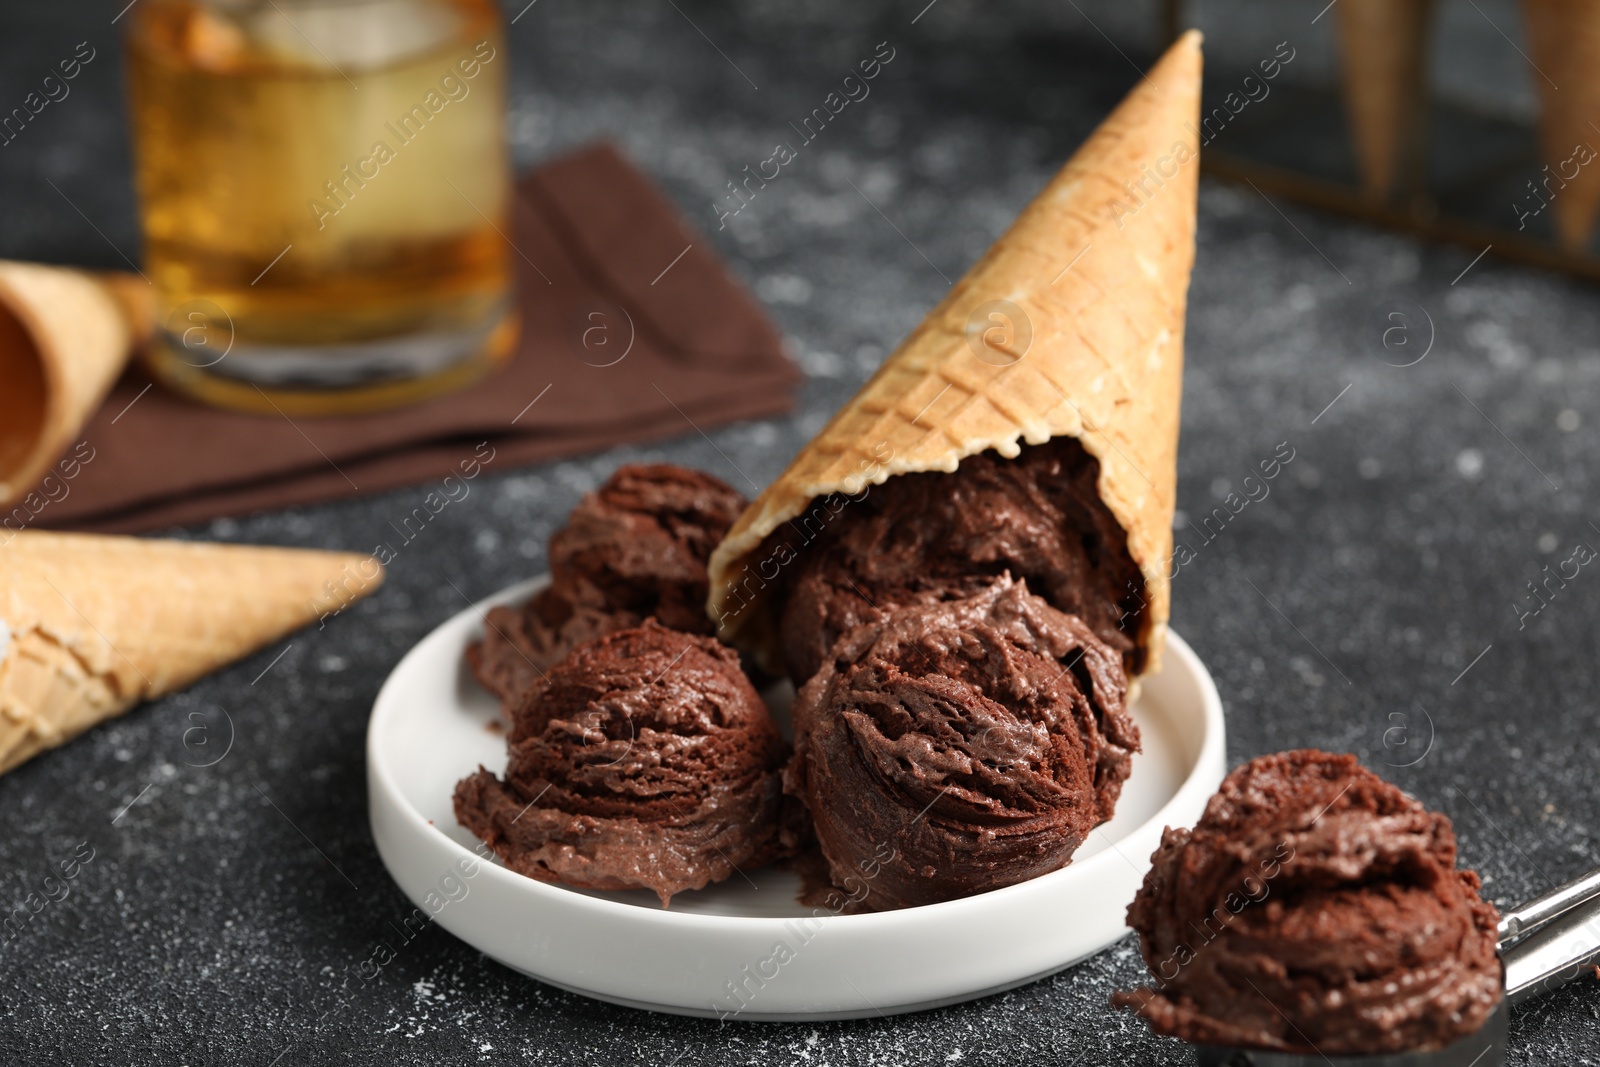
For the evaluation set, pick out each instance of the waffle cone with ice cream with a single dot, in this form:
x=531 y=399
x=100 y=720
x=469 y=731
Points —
x=91 y=626
x=1071 y=325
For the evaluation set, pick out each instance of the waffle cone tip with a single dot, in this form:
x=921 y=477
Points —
x=1564 y=46
x=90 y=626
x=1383 y=49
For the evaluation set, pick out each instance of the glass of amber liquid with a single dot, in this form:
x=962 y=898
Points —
x=324 y=191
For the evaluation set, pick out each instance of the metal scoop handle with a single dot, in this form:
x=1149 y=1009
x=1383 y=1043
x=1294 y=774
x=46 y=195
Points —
x=1543 y=909
x=1564 y=946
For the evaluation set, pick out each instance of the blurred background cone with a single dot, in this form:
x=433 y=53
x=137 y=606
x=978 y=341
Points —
x=64 y=338
x=1564 y=44
x=91 y=625
x=1383 y=58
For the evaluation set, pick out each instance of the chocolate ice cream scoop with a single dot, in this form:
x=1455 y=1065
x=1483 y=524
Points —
x=922 y=538
x=644 y=761
x=1315 y=908
x=952 y=748
x=636 y=548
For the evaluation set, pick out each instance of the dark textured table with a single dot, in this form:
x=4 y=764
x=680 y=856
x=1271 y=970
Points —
x=1370 y=604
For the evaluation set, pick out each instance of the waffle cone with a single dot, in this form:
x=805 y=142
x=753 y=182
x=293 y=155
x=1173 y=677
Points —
x=1096 y=270
x=1564 y=43
x=1383 y=51
x=91 y=626
x=64 y=337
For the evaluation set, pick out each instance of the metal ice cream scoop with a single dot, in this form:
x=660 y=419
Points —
x=1545 y=943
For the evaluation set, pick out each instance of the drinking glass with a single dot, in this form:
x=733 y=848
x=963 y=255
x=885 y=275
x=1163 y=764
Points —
x=324 y=193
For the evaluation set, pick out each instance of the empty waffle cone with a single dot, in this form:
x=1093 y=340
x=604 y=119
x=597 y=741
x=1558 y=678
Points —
x=64 y=338
x=1070 y=325
x=1383 y=52
x=91 y=625
x=1564 y=43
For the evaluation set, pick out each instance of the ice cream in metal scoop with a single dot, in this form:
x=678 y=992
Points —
x=1544 y=944
x=1315 y=915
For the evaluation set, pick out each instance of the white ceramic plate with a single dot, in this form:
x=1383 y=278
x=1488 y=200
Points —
x=746 y=949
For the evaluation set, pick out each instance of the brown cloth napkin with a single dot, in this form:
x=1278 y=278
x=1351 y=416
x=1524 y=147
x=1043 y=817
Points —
x=599 y=249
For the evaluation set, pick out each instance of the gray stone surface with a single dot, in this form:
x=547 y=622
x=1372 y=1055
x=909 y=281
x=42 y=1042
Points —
x=1366 y=605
